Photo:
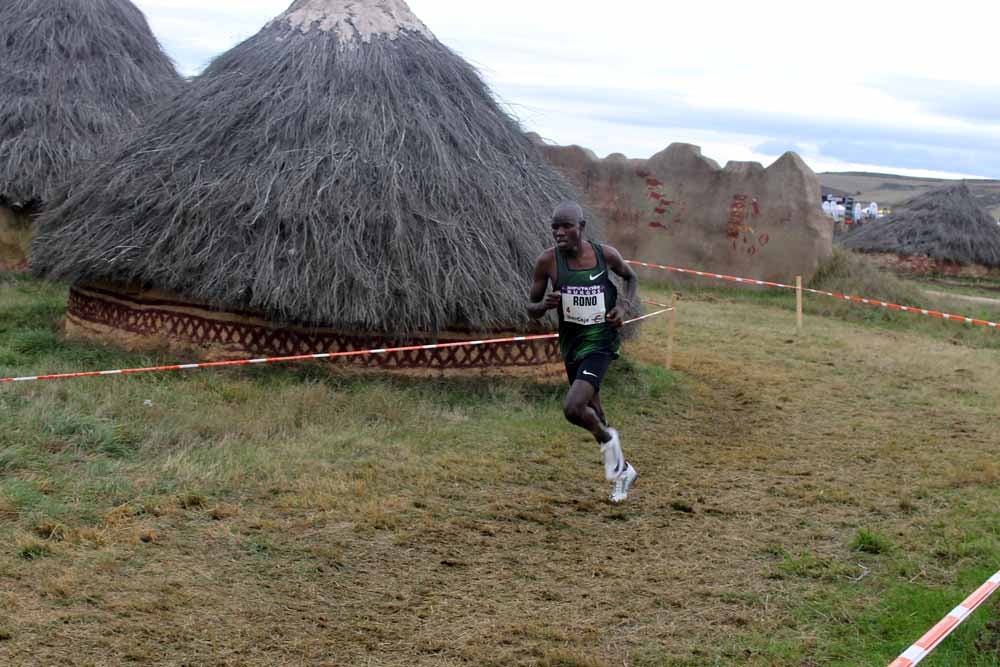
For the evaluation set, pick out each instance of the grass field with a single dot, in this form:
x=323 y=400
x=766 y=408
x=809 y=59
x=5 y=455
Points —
x=805 y=501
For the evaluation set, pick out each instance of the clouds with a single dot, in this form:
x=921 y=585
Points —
x=977 y=102
x=193 y=32
x=895 y=89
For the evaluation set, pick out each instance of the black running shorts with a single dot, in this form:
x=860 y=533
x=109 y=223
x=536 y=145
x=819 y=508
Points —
x=592 y=369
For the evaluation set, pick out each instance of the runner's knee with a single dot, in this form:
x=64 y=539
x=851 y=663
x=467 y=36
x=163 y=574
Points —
x=573 y=410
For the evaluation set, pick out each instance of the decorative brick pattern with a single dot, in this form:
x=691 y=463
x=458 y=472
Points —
x=268 y=341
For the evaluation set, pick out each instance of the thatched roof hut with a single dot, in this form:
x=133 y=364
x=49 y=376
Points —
x=945 y=224
x=75 y=75
x=342 y=168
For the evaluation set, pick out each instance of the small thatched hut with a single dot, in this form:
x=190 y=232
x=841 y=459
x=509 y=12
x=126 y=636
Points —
x=75 y=77
x=339 y=180
x=941 y=231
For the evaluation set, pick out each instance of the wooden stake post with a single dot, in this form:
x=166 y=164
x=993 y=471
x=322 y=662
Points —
x=671 y=327
x=798 y=303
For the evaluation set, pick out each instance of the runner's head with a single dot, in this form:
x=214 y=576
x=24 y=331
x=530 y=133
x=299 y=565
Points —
x=567 y=225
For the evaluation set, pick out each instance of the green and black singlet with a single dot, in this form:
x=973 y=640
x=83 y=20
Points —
x=587 y=297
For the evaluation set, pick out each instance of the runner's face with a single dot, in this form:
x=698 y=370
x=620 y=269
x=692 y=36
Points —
x=567 y=233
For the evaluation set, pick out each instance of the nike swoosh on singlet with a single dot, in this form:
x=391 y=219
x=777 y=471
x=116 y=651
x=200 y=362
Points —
x=597 y=276
x=589 y=373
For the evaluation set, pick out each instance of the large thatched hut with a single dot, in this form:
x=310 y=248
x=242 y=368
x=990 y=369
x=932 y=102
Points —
x=75 y=76
x=942 y=231
x=339 y=180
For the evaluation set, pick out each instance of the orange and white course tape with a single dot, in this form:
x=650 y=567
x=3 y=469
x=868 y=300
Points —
x=939 y=632
x=835 y=295
x=306 y=357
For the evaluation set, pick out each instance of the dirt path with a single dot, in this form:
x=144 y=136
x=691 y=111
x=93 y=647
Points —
x=972 y=299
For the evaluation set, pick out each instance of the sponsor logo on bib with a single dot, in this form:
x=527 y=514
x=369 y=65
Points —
x=584 y=305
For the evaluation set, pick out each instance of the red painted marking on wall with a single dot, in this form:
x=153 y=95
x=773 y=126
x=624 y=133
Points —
x=662 y=209
x=737 y=216
x=743 y=209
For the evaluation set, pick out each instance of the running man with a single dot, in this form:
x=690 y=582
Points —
x=590 y=315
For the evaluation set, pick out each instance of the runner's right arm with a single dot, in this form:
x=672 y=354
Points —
x=540 y=301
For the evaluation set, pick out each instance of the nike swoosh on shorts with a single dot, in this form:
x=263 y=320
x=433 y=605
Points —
x=589 y=373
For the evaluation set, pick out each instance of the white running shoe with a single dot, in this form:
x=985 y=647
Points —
x=619 y=492
x=611 y=451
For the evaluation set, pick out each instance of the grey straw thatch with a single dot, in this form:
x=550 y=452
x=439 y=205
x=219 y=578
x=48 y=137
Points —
x=353 y=173
x=945 y=224
x=74 y=76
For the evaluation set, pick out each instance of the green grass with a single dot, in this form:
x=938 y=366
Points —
x=871 y=542
x=866 y=617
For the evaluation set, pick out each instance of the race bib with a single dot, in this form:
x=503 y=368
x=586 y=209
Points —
x=584 y=305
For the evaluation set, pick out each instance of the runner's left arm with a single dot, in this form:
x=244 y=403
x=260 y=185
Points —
x=625 y=303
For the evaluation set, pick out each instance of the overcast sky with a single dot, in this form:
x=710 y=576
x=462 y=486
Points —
x=878 y=85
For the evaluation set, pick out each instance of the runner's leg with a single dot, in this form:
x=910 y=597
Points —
x=579 y=412
x=595 y=405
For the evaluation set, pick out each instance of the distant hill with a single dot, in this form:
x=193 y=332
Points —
x=891 y=190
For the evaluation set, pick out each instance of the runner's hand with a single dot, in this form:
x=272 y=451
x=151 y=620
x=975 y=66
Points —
x=553 y=300
x=616 y=317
